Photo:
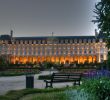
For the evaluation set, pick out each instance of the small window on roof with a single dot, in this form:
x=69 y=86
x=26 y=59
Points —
x=89 y=40
x=80 y=41
x=75 y=40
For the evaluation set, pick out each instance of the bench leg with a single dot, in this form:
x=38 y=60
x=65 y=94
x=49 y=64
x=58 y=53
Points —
x=78 y=82
x=48 y=84
x=74 y=83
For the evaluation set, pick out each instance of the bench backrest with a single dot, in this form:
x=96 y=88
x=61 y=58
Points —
x=66 y=76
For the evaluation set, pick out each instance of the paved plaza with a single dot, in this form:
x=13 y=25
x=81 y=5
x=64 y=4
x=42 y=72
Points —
x=19 y=82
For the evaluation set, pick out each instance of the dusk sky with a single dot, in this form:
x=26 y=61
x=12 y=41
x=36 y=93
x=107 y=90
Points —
x=42 y=17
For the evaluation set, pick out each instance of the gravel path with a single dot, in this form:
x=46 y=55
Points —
x=19 y=82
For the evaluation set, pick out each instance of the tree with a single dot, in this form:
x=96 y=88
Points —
x=102 y=11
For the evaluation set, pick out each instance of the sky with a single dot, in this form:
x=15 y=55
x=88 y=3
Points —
x=42 y=17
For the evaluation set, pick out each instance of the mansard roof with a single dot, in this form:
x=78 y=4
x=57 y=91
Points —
x=5 y=37
x=8 y=37
x=56 y=37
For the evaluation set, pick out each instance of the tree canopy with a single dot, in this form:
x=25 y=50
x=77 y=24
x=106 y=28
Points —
x=102 y=18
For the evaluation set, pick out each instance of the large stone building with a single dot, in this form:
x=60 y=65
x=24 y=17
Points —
x=61 y=49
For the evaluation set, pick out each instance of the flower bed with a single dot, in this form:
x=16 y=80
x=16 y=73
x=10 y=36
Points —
x=97 y=74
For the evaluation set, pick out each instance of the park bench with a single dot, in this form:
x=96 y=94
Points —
x=63 y=77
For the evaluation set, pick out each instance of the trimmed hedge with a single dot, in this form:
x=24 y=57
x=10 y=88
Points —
x=17 y=94
x=44 y=77
x=18 y=72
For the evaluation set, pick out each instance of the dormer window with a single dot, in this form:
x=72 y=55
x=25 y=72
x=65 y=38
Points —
x=75 y=40
x=62 y=41
x=30 y=42
x=80 y=41
x=93 y=40
x=84 y=40
x=89 y=41
x=66 y=41
x=71 y=41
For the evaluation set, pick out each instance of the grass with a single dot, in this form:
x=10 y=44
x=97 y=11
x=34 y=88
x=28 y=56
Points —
x=46 y=96
x=17 y=94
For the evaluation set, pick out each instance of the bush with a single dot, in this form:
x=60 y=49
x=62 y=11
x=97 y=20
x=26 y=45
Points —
x=100 y=88
x=17 y=72
x=78 y=95
x=44 y=77
x=17 y=94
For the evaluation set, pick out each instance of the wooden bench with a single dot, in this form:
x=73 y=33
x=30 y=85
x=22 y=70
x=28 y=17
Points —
x=63 y=77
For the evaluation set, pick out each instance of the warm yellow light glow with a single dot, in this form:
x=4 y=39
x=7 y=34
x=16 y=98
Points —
x=62 y=59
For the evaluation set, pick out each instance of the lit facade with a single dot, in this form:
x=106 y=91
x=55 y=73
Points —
x=63 y=49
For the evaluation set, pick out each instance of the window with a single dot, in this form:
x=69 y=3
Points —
x=62 y=41
x=71 y=52
x=101 y=50
x=48 y=52
x=85 y=51
x=43 y=41
x=66 y=52
x=25 y=53
x=38 y=52
x=43 y=52
x=75 y=52
x=90 y=51
x=57 y=53
x=66 y=41
x=89 y=41
x=80 y=51
x=39 y=41
x=101 y=56
x=85 y=40
x=80 y=41
x=93 y=40
x=61 y=52
x=75 y=41
x=68 y=48
x=71 y=41
x=21 y=52
x=52 y=52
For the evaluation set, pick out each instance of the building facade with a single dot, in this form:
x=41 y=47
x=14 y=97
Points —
x=62 y=49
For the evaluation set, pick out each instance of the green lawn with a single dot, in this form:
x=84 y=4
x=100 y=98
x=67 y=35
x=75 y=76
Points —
x=45 y=96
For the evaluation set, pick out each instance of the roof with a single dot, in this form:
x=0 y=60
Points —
x=5 y=37
x=8 y=37
x=57 y=37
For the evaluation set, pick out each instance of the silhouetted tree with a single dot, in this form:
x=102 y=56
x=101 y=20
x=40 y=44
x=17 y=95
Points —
x=102 y=11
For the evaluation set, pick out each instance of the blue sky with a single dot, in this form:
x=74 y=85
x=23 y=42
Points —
x=41 y=17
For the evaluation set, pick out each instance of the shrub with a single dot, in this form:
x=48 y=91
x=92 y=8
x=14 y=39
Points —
x=78 y=95
x=17 y=94
x=100 y=88
x=44 y=77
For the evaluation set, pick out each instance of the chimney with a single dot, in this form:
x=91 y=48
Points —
x=11 y=33
x=96 y=33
